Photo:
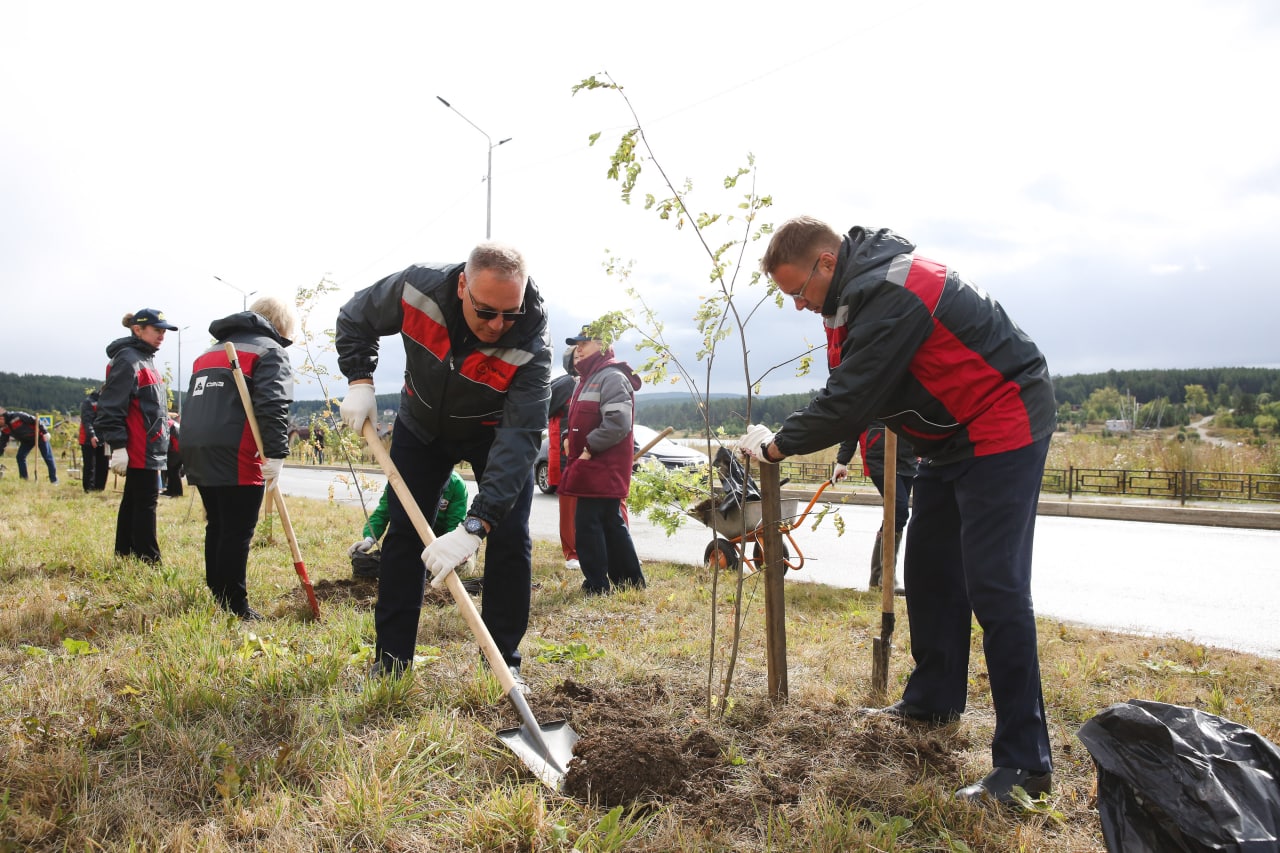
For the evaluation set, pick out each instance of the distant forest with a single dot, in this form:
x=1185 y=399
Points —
x=1225 y=387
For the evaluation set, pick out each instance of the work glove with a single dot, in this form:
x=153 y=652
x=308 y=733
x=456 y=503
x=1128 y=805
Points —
x=839 y=472
x=119 y=463
x=752 y=444
x=271 y=473
x=360 y=405
x=448 y=552
x=362 y=547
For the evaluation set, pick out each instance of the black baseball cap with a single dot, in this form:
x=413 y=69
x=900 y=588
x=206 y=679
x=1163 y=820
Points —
x=584 y=335
x=152 y=317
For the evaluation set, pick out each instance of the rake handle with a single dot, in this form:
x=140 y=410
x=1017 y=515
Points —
x=299 y=566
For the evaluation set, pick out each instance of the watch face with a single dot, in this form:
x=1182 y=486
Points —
x=474 y=526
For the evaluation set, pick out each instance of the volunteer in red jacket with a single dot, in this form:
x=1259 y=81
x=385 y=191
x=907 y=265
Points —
x=92 y=449
x=218 y=448
x=133 y=419
x=601 y=445
x=557 y=462
x=941 y=363
x=476 y=383
x=25 y=429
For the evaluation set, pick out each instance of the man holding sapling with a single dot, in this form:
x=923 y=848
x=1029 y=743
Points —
x=941 y=363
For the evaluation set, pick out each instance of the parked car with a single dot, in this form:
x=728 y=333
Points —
x=666 y=453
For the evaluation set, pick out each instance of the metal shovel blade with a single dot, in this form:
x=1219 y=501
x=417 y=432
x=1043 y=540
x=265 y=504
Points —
x=545 y=749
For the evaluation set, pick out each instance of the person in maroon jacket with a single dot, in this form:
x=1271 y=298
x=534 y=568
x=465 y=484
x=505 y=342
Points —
x=941 y=363
x=601 y=414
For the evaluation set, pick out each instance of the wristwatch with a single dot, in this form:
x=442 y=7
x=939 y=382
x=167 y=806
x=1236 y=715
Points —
x=475 y=527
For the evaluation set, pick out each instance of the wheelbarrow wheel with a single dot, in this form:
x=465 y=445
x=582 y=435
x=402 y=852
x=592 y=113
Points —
x=720 y=554
x=757 y=554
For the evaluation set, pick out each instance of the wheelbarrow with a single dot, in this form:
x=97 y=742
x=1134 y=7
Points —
x=737 y=520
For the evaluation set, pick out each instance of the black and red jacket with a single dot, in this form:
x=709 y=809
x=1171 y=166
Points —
x=456 y=387
x=926 y=352
x=218 y=448
x=133 y=408
x=20 y=426
x=88 y=413
x=601 y=417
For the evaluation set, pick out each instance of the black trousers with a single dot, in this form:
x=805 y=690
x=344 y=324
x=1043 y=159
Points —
x=173 y=476
x=901 y=495
x=232 y=513
x=969 y=551
x=508 y=557
x=605 y=549
x=136 y=520
x=93 y=467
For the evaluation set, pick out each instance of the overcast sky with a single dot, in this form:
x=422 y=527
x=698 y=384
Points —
x=1110 y=172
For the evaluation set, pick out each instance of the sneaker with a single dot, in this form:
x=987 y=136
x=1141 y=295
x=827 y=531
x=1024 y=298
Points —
x=573 y=565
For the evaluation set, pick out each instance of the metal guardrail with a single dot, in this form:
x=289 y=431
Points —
x=1181 y=486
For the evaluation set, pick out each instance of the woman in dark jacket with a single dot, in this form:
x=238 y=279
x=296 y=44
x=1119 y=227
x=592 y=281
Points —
x=133 y=420
x=601 y=414
x=218 y=448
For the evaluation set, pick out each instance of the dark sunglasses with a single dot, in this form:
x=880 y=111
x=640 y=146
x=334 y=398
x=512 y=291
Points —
x=491 y=314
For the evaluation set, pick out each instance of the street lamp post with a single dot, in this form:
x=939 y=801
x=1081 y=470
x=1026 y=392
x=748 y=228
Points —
x=180 y=371
x=245 y=305
x=488 y=178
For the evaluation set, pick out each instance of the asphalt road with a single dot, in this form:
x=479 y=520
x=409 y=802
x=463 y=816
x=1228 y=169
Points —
x=1212 y=585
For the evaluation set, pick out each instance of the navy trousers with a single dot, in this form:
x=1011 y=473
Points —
x=232 y=513
x=136 y=518
x=969 y=551
x=605 y=549
x=508 y=558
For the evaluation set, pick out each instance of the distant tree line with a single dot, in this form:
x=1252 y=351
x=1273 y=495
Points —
x=30 y=392
x=1160 y=397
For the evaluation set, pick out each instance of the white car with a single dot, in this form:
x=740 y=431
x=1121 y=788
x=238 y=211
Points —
x=666 y=452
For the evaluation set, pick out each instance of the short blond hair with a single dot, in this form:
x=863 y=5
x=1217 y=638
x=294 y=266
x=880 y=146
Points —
x=797 y=241
x=278 y=313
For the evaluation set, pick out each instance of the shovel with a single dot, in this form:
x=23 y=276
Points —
x=880 y=646
x=273 y=493
x=545 y=750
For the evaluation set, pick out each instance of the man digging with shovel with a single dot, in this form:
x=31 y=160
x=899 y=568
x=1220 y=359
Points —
x=941 y=363
x=477 y=374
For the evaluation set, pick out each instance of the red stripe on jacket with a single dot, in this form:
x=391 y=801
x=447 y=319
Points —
x=488 y=370
x=974 y=392
x=426 y=330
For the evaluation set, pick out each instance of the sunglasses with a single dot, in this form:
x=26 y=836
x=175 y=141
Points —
x=488 y=314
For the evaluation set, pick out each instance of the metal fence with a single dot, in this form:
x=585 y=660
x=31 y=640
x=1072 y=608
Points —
x=1181 y=486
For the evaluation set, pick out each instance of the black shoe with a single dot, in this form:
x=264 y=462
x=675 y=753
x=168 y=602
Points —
x=907 y=712
x=473 y=586
x=248 y=614
x=999 y=785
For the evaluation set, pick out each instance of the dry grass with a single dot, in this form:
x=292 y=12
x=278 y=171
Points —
x=137 y=717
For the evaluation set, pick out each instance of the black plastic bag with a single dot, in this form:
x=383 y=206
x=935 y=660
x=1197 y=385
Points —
x=1177 y=779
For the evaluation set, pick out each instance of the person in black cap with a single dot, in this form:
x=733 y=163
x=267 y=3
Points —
x=133 y=420
x=601 y=445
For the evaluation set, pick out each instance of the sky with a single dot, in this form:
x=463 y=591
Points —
x=1109 y=172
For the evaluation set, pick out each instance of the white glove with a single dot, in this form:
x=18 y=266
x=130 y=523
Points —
x=839 y=472
x=119 y=461
x=754 y=442
x=360 y=405
x=362 y=547
x=448 y=552
x=271 y=472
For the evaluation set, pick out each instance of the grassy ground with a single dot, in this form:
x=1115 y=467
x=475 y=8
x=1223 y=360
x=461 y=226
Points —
x=139 y=717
